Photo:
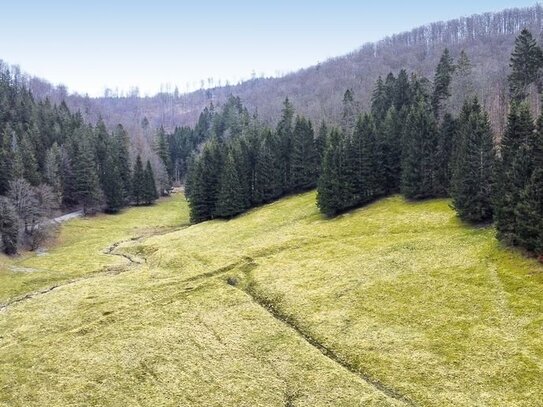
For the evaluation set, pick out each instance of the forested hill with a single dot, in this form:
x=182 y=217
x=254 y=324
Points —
x=317 y=91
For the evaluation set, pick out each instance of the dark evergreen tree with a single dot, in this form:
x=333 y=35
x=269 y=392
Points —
x=320 y=142
x=442 y=81
x=230 y=200
x=391 y=141
x=112 y=185
x=332 y=187
x=514 y=170
x=9 y=226
x=163 y=151
x=304 y=159
x=380 y=102
x=419 y=155
x=87 y=186
x=526 y=63
x=121 y=157
x=284 y=135
x=402 y=92
x=473 y=167
x=150 y=193
x=529 y=209
x=349 y=112
x=365 y=162
x=268 y=179
x=138 y=182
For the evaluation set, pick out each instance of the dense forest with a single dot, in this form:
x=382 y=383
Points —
x=409 y=142
x=51 y=160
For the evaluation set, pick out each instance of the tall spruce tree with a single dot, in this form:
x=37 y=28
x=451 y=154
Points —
x=471 y=185
x=529 y=209
x=230 y=197
x=514 y=170
x=163 y=151
x=9 y=226
x=349 y=112
x=284 y=135
x=419 y=155
x=442 y=82
x=138 y=182
x=304 y=159
x=121 y=157
x=320 y=142
x=112 y=185
x=150 y=193
x=391 y=137
x=268 y=181
x=526 y=63
x=87 y=185
x=365 y=162
x=332 y=184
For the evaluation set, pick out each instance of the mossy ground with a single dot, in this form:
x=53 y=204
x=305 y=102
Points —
x=392 y=304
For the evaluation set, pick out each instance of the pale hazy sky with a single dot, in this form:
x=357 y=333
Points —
x=91 y=45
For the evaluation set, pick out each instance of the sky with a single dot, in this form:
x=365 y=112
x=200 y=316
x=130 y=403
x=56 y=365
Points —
x=90 y=46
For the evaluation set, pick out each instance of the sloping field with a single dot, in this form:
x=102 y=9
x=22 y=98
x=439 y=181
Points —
x=394 y=304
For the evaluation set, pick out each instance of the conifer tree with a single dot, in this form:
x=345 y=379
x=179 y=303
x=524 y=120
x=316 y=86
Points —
x=29 y=162
x=332 y=189
x=150 y=193
x=163 y=151
x=514 y=170
x=320 y=142
x=304 y=168
x=526 y=62
x=442 y=82
x=284 y=135
x=204 y=185
x=53 y=170
x=268 y=185
x=391 y=136
x=379 y=101
x=418 y=161
x=138 y=182
x=230 y=197
x=112 y=185
x=365 y=162
x=9 y=226
x=402 y=93
x=87 y=186
x=529 y=209
x=349 y=112
x=473 y=167
x=121 y=157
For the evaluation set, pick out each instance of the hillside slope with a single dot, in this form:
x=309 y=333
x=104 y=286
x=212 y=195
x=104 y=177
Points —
x=394 y=304
x=317 y=91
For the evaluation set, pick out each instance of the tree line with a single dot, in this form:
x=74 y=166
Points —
x=410 y=142
x=51 y=159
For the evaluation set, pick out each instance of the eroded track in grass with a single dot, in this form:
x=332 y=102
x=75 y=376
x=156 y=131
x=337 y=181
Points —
x=326 y=351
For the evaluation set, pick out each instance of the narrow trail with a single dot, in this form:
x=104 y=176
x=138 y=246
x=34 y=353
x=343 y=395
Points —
x=110 y=250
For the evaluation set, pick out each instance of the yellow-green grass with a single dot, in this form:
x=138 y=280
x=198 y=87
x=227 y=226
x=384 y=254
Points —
x=393 y=304
x=81 y=245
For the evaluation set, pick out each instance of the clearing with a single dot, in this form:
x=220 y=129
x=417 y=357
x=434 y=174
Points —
x=390 y=305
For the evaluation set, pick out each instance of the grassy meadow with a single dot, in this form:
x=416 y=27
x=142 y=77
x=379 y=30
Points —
x=390 y=305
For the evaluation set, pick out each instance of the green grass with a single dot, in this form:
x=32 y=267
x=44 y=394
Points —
x=79 y=249
x=392 y=304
